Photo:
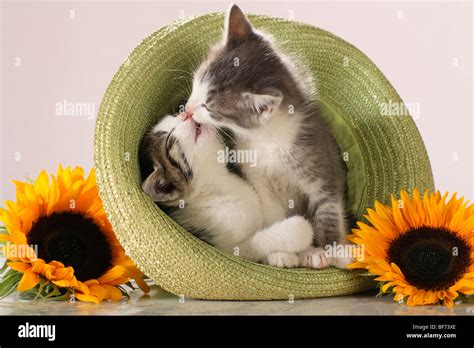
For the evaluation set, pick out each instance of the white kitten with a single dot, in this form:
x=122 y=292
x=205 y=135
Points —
x=218 y=206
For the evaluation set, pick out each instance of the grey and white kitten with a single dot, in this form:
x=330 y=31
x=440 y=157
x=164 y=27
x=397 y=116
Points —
x=268 y=105
x=197 y=190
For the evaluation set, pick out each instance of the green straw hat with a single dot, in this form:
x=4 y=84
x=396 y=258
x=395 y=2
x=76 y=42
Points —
x=383 y=151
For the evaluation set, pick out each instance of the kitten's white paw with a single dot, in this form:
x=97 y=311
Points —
x=301 y=234
x=282 y=259
x=313 y=258
x=341 y=262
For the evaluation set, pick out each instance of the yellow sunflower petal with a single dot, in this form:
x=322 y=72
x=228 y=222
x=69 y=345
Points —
x=86 y=298
x=113 y=293
x=28 y=281
x=82 y=288
x=385 y=227
x=17 y=238
x=98 y=291
x=11 y=221
x=409 y=210
x=39 y=266
x=419 y=297
x=112 y=274
x=448 y=302
x=64 y=283
x=137 y=275
x=386 y=286
x=431 y=297
x=64 y=273
x=398 y=217
x=41 y=185
x=19 y=266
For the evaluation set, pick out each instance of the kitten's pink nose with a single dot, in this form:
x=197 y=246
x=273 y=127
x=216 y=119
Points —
x=187 y=116
x=190 y=107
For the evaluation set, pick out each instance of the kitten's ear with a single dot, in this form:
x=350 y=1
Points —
x=237 y=27
x=264 y=104
x=159 y=188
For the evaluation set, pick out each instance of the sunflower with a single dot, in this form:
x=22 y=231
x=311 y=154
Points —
x=58 y=234
x=421 y=249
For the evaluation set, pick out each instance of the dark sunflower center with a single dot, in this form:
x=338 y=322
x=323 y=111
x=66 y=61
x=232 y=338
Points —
x=73 y=240
x=431 y=258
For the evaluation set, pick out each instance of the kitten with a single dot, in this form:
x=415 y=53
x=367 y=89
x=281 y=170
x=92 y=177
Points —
x=216 y=205
x=268 y=105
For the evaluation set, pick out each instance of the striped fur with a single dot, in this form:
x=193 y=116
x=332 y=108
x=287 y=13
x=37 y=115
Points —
x=180 y=171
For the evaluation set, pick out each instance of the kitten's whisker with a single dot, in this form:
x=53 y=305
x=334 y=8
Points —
x=189 y=73
x=185 y=88
x=217 y=135
x=188 y=88
x=230 y=136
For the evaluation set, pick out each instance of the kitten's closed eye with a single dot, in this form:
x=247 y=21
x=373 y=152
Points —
x=164 y=187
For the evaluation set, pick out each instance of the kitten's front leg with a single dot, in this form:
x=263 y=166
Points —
x=282 y=259
x=330 y=225
x=318 y=258
x=313 y=258
x=278 y=244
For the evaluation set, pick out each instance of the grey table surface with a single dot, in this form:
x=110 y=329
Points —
x=159 y=302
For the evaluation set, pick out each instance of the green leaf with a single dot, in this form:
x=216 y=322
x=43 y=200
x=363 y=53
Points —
x=124 y=291
x=364 y=273
x=465 y=298
x=382 y=294
x=9 y=283
x=46 y=291
x=3 y=230
x=130 y=285
x=4 y=268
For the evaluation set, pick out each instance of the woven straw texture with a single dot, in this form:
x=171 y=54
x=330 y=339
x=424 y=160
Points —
x=386 y=154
